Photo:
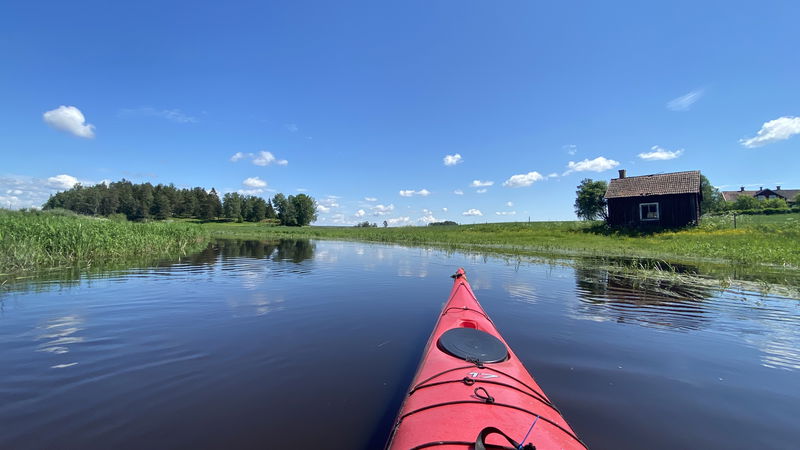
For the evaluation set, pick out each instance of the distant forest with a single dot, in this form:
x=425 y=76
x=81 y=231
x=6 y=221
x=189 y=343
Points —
x=144 y=201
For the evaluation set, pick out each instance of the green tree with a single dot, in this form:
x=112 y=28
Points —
x=305 y=209
x=712 y=198
x=162 y=207
x=590 y=202
x=232 y=205
x=259 y=210
x=744 y=202
x=284 y=208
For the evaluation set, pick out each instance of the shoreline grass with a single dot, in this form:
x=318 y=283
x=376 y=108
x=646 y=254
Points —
x=33 y=240
x=757 y=246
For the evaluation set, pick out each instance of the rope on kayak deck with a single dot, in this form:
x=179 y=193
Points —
x=481 y=402
x=467 y=308
x=529 y=432
x=470 y=381
x=480 y=365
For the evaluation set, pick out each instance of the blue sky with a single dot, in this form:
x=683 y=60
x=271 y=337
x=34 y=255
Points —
x=360 y=103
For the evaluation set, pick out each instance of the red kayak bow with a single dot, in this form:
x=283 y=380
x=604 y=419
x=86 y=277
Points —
x=471 y=391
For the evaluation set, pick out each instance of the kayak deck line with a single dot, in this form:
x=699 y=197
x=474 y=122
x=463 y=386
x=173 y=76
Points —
x=470 y=389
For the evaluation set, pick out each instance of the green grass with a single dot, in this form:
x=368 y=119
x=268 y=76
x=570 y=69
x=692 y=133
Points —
x=32 y=240
x=760 y=240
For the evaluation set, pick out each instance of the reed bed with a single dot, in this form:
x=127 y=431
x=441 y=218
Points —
x=41 y=239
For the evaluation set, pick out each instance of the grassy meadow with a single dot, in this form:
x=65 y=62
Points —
x=41 y=239
x=757 y=240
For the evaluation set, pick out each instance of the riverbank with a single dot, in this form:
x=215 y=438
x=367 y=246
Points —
x=767 y=242
x=31 y=240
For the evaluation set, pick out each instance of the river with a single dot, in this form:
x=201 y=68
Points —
x=298 y=344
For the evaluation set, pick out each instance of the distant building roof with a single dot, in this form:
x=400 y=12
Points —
x=731 y=196
x=657 y=184
x=788 y=194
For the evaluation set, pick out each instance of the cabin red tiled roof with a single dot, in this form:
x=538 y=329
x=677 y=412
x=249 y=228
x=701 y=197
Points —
x=657 y=184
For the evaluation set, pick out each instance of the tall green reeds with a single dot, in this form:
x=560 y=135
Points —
x=36 y=239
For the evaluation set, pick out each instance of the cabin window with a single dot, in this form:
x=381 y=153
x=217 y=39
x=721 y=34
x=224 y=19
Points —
x=648 y=211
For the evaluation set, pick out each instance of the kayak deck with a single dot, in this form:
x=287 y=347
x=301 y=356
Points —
x=461 y=389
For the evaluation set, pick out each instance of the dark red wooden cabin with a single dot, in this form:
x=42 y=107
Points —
x=662 y=200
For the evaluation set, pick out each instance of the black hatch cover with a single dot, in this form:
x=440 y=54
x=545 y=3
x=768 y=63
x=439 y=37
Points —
x=472 y=345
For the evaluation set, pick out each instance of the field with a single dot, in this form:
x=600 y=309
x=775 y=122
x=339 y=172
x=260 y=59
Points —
x=33 y=240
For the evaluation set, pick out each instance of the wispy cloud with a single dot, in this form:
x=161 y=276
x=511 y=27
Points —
x=510 y=204
x=776 y=130
x=360 y=213
x=458 y=192
x=685 y=102
x=17 y=191
x=262 y=158
x=382 y=210
x=481 y=191
x=452 y=160
x=411 y=193
x=69 y=119
x=370 y=199
x=472 y=212
x=598 y=164
x=571 y=149
x=523 y=180
x=505 y=213
x=657 y=153
x=479 y=183
x=174 y=115
x=293 y=128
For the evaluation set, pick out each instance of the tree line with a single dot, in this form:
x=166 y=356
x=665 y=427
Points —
x=144 y=201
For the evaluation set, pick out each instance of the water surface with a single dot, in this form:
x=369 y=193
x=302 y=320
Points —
x=298 y=344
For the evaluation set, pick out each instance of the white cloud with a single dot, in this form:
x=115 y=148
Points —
x=472 y=212
x=254 y=182
x=266 y=158
x=398 y=220
x=263 y=158
x=69 y=119
x=481 y=191
x=444 y=209
x=370 y=199
x=322 y=208
x=175 y=115
x=660 y=154
x=330 y=201
x=411 y=192
x=779 y=129
x=250 y=191
x=452 y=160
x=293 y=128
x=427 y=218
x=62 y=181
x=598 y=164
x=552 y=175
x=479 y=183
x=458 y=192
x=505 y=213
x=301 y=189
x=382 y=210
x=685 y=102
x=510 y=204
x=523 y=180
x=571 y=149
x=360 y=213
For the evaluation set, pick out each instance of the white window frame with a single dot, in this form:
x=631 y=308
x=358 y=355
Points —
x=658 y=212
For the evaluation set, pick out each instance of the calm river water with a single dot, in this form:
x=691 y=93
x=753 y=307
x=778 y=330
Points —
x=312 y=345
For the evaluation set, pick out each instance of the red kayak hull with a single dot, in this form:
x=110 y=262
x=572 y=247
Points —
x=451 y=400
